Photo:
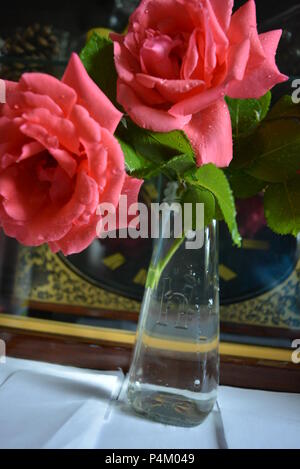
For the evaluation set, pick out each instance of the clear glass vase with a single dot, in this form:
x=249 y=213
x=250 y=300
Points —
x=175 y=370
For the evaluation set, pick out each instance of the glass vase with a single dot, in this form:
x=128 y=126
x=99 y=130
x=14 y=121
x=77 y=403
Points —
x=175 y=369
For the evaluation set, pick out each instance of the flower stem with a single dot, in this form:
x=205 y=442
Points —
x=155 y=273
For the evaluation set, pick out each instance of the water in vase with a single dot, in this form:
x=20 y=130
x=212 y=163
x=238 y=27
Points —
x=175 y=370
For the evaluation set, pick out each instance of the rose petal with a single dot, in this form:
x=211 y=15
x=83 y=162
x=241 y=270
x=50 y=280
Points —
x=30 y=149
x=10 y=131
x=158 y=13
x=54 y=222
x=210 y=134
x=65 y=161
x=257 y=81
x=61 y=188
x=126 y=65
x=11 y=87
x=131 y=189
x=115 y=172
x=90 y=96
x=219 y=20
x=223 y=11
x=12 y=140
x=40 y=134
x=197 y=103
x=21 y=100
x=58 y=127
x=156 y=58
x=147 y=117
x=97 y=158
x=7 y=160
x=81 y=235
x=43 y=84
x=210 y=53
x=86 y=127
x=85 y=193
x=238 y=57
x=23 y=195
x=51 y=143
x=244 y=26
x=78 y=239
x=170 y=90
x=261 y=73
x=270 y=41
x=191 y=58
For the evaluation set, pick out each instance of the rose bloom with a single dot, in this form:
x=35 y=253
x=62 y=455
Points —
x=59 y=159
x=179 y=60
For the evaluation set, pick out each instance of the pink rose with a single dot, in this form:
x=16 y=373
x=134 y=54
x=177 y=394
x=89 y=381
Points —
x=181 y=57
x=250 y=216
x=59 y=159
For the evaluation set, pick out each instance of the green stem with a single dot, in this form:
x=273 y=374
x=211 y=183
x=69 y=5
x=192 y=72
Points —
x=155 y=273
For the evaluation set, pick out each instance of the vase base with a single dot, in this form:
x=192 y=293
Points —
x=170 y=408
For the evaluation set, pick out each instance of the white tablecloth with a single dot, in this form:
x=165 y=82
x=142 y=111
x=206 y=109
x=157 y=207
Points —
x=50 y=406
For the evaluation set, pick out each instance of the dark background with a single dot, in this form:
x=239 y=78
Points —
x=78 y=17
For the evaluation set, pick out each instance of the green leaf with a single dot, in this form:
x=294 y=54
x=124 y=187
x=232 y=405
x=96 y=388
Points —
x=218 y=212
x=136 y=165
x=149 y=153
x=177 y=166
x=243 y=152
x=144 y=144
x=276 y=150
x=148 y=159
x=176 y=140
x=196 y=195
x=247 y=114
x=213 y=179
x=271 y=153
x=243 y=185
x=282 y=207
x=284 y=108
x=98 y=58
x=156 y=147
